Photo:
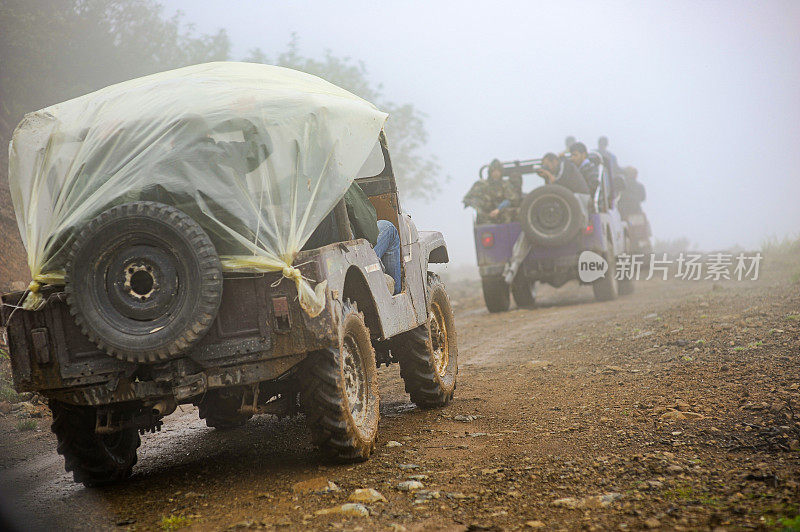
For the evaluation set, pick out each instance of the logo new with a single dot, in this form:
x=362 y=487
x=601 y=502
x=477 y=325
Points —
x=591 y=266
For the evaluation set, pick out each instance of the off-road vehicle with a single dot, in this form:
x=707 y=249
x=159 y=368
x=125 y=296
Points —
x=150 y=315
x=558 y=225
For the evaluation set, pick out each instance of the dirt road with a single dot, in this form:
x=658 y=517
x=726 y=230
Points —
x=676 y=407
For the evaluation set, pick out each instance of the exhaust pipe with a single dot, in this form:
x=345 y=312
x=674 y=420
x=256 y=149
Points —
x=164 y=407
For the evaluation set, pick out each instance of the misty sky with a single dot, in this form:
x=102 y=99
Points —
x=702 y=97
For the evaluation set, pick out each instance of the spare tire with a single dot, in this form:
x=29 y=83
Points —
x=551 y=215
x=143 y=281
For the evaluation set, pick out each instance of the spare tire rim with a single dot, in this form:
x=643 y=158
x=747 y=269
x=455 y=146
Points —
x=549 y=215
x=141 y=280
x=440 y=349
x=354 y=380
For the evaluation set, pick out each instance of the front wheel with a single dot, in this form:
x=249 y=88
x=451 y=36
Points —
x=625 y=286
x=606 y=288
x=495 y=294
x=524 y=291
x=339 y=392
x=428 y=355
x=93 y=459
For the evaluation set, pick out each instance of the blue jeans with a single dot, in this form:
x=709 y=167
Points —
x=388 y=250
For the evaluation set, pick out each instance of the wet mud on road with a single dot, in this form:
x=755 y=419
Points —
x=676 y=407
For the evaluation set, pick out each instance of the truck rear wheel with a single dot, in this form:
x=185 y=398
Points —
x=93 y=459
x=495 y=294
x=339 y=391
x=428 y=355
x=220 y=409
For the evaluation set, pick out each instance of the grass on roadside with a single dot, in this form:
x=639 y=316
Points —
x=687 y=493
x=174 y=522
x=780 y=246
x=7 y=393
x=24 y=425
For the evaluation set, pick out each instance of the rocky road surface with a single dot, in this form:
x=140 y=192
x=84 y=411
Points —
x=674 y=408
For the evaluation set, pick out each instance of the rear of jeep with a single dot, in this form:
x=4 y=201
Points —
x=263 y=354
x=555 y=226
x=168 y=269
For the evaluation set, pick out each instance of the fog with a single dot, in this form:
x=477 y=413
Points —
x=702 y=97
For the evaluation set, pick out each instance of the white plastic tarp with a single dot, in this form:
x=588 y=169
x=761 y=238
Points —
x=257 y=154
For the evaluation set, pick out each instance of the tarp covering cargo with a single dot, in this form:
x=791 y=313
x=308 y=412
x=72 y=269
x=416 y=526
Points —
x=257 y=154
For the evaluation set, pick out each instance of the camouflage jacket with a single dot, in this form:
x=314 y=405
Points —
x=487 y=195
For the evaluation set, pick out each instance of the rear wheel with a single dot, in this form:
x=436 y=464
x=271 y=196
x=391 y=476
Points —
x=428 y=355
x=93 y=459
x=495 y=294
x=339 y=391
x=220 y=409
x=524 y=291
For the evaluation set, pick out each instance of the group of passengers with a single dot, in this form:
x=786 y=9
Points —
x=496 y=200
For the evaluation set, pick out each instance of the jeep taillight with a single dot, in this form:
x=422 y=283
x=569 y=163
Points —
x=487 y=239
x=588 y=230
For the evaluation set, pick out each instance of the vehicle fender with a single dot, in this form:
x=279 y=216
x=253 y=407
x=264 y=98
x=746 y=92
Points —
x=434 y=246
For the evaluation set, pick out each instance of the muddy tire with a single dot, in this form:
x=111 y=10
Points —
x=93 y=459
x=495 y=294
x=606 y=288
x=428 y=355
x=339 y=392
x=220 y=409
x=143 y=281
x=524 y=291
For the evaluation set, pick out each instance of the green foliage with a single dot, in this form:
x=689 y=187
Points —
x=7 y=393
x=174 y=522
x=24 y=425
x=687 y=493
x=790 y=524
x=786 y=245
x=417 y=171
x=53 y=51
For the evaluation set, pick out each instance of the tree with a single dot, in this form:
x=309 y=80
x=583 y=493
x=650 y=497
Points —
x=54 y=50
x=417 y=170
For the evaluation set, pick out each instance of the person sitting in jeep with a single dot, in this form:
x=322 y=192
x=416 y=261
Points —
x=562 y=172
x=588 y=168
x=381 y=234
x=496 y=200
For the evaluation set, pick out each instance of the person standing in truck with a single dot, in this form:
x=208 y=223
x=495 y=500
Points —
x=630 y=201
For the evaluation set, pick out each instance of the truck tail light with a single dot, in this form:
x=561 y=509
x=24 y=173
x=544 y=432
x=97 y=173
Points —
x=487 y=239
x=588 y=230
